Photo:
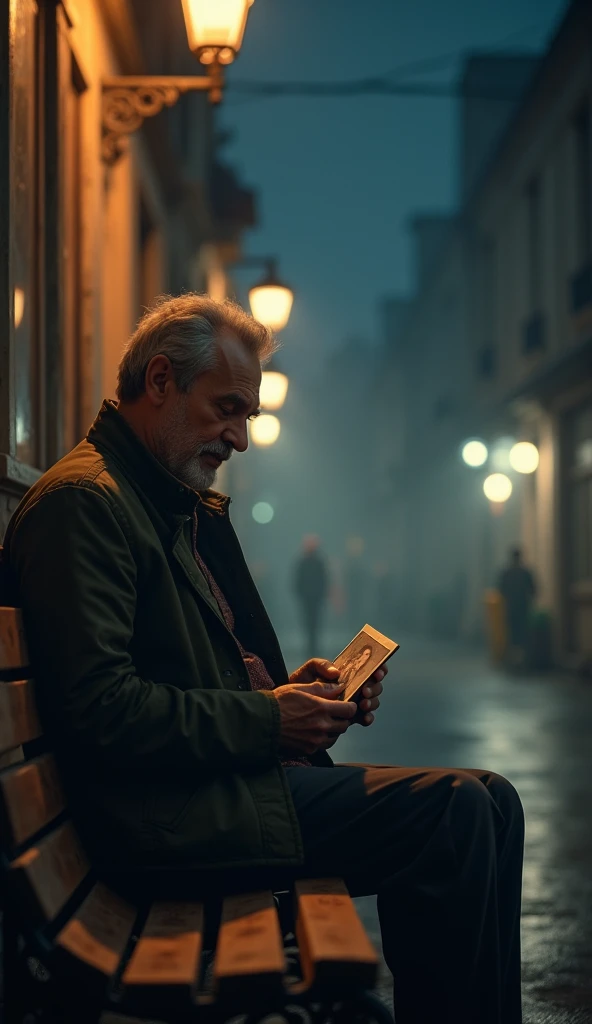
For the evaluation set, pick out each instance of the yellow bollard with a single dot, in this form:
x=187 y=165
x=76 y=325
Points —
x=495 y=624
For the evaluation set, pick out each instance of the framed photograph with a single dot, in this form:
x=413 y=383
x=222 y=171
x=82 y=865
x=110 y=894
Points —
x=368 y=650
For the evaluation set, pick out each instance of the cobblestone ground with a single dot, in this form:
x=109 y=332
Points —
x=444 y=706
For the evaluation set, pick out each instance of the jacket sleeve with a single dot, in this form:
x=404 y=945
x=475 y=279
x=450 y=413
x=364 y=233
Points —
x=76 y=580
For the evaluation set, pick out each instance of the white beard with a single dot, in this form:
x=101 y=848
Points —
x=182 y=458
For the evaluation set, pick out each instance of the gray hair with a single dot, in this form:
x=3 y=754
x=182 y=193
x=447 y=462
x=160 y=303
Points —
x=185 y=328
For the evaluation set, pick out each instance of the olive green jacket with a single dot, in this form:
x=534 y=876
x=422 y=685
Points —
x=167 y=754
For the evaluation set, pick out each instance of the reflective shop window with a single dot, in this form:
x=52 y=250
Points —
x=23 y=255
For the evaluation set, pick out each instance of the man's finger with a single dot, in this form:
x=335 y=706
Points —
x=342 y=709
x=372 y=690
x=323 y=668
x=329 y=690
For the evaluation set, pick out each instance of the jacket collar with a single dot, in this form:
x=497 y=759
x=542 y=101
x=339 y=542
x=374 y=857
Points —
x=110 y=432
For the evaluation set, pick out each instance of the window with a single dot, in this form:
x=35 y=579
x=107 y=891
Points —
x=486 y=358
x=583 y=184
x=534 y=258
x=24 y=247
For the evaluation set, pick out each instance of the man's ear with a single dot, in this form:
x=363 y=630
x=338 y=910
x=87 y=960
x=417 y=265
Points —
x=159 y=379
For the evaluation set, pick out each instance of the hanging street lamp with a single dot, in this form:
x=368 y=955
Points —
x=215 y=30
x=271 y=300
x=273 y=390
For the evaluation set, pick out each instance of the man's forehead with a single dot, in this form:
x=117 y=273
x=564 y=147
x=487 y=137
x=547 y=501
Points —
x=236 y=364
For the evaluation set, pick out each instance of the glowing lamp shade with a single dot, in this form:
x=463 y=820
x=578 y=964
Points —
x=265 y=430
x=497 y=487
x=524 y=457
x=274 y=388
x=19 y=306
x=474 y=453
x=215 y=28
x=271 y=304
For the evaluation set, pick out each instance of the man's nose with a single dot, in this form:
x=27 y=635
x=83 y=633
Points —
x=237 y=436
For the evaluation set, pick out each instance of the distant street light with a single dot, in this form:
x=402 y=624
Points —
x=262 y=512
x=474 y=453
x=524 y=457
x=497 y=487
x=265 y=430
x=273 y=390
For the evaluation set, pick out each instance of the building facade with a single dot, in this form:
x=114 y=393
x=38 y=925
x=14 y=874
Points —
x=497 y=342
x=87 y=241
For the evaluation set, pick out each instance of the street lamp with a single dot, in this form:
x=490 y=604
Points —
x=215 y=30
x=271 y=300
x=524 y=457
x=497 y=487
x=474 y=453
x=265 y=430
x=273 y=390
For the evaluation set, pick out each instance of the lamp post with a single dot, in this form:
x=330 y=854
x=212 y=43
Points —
x=215 y=30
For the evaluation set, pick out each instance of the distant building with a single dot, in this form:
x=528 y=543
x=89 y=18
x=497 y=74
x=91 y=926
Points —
x=497 y=341
x=86 y=244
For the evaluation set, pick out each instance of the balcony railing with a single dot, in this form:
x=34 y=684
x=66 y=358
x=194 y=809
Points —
x=581 y=288
x=533 y=334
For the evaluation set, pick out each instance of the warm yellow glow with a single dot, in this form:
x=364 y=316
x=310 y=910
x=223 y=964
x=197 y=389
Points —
x=524 y=457
x=215 y=27
x=497 y=487
x=273 y=391
x=474 y=453
x=271 y=304
x=265 y=430
x=19 y=306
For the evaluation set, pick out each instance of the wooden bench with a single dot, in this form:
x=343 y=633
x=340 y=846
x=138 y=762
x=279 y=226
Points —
x=74 y=949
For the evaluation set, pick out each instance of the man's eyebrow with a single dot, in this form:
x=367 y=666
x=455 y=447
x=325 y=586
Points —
x=239 y=401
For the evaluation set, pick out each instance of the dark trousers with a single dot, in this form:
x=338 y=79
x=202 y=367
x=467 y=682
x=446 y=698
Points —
x=442 y=848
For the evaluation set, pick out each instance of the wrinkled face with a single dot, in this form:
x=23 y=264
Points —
x=200 y=429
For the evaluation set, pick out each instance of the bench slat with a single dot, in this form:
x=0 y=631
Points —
x=13 y=646
x=30 y=797
x=334 y=948
x=49 y=873
x=19 y=722
x=96 y=936
x=249 y=952
x=164 y=967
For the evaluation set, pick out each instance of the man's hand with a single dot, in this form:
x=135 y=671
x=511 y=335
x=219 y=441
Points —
x=312 y=716
x=369 y=701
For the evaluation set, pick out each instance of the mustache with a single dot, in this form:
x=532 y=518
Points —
x=219 y=449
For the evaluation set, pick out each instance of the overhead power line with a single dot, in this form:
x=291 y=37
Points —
x=366 y=87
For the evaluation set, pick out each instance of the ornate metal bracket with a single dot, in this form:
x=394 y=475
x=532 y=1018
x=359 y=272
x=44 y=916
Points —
x=128 y=99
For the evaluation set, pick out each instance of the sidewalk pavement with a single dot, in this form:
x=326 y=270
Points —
x=443 y=705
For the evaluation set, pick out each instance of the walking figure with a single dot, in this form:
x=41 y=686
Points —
x=517 y=586
x=311 y=583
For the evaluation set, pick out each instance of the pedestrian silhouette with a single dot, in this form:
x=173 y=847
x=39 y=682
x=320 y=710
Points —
x=517 y=587
x=356 y=582
x=311 y=583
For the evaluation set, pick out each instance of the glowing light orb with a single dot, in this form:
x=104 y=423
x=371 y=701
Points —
x=474 y=453
x=524 y=457
x=262 y=512
x=497 y=487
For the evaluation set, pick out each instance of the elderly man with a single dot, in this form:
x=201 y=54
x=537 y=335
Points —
x=179 y=734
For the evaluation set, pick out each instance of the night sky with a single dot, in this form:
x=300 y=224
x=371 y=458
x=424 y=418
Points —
x=338 y=179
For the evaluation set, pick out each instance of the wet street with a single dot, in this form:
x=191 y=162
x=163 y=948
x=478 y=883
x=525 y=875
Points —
x=445 y=706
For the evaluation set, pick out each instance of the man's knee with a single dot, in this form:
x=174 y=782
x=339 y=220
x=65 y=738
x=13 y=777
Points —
x=505 y=797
